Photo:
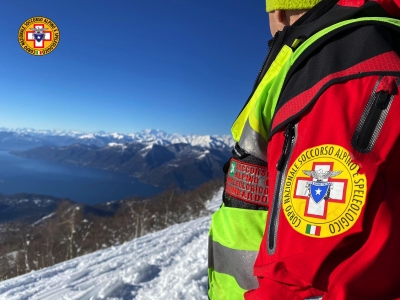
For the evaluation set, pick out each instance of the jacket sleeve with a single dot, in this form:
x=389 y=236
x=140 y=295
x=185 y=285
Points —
x=335 y=255
x=371 y=269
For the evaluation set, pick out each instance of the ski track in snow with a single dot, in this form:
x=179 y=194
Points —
x=168 y=264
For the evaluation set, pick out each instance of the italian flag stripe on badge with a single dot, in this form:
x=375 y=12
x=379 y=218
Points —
x=38 y=52
x=314 y=230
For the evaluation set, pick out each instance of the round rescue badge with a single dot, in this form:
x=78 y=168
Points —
x=38 y=36
x=323 y=194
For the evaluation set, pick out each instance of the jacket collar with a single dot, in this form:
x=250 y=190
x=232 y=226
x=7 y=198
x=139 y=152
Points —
x=322 y=15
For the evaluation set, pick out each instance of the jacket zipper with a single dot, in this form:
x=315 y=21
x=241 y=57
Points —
x=372 y=121
x=366 y=133
x=289 y=135
x=281 y=166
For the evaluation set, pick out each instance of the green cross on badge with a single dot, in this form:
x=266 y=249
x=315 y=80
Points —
x=233 y=169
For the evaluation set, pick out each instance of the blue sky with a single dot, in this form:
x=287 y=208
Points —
x=182 y=66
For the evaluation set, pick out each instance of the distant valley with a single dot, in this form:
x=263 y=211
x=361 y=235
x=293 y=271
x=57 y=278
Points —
x=152 y=156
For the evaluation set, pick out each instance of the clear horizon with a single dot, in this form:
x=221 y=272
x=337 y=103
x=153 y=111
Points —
x=184 y=67
x=106 y=132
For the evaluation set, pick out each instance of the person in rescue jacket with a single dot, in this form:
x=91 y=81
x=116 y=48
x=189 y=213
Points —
x=317 y=160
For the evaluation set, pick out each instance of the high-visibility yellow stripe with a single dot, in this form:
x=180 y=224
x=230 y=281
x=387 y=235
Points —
x=252 y=110
x=238 y=228
x=223 y=286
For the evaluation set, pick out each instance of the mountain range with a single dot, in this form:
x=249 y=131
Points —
x=152 y=156
x=26 y=138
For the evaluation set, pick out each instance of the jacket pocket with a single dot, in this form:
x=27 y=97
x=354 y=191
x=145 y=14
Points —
x=374 y=114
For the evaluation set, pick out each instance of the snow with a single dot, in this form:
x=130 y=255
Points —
x=123 y=146
x=87 y=136
x=42 y=219
x=204 y=154
x=117 y=136
x=147 y=137
x=168 y=264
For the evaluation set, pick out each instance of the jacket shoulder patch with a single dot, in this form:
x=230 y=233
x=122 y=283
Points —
x=324 y=192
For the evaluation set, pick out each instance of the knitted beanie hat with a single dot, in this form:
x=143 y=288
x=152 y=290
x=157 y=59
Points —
x=290 y=4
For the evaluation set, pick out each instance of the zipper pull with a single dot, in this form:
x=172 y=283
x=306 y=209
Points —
x=289 y=136
x=382 y=100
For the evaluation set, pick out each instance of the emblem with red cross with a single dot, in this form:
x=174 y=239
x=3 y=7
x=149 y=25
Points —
x=39 y=35
x=318 y=192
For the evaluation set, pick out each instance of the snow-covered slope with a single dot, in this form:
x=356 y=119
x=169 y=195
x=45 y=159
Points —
x=169 y=264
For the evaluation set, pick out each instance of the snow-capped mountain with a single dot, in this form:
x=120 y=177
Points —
x=151 y=136
x=28 y=138
x=168 y=264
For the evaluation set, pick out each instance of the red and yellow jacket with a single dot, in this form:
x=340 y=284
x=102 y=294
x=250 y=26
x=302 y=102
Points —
x=327 y=111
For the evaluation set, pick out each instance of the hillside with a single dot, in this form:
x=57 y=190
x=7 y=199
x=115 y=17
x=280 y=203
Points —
x=179 y=165
x=168 y=264
x=29 y=208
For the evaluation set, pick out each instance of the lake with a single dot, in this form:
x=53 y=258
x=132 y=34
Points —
x=81 y=184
